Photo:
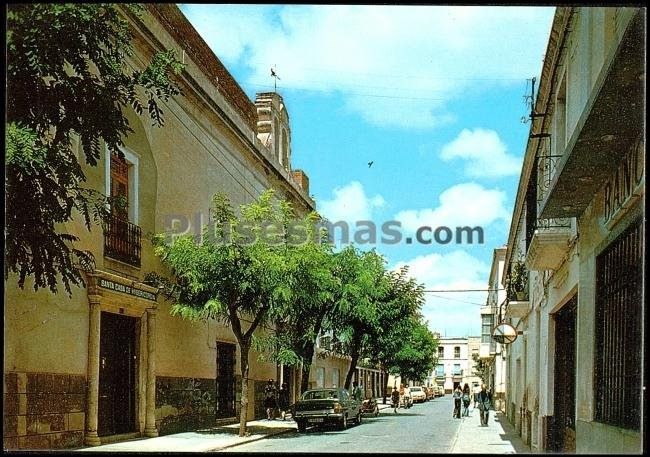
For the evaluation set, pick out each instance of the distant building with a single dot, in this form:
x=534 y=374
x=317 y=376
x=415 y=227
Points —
x=575 y=378
x=455 y=365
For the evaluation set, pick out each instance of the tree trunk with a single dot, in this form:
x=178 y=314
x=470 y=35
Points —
x=304 y=381
x=308 y=350
x=385 y=371
x=306 y=368
x=243 y=414
x=353 y=366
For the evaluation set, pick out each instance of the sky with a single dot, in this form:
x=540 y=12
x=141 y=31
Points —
x=433 y=96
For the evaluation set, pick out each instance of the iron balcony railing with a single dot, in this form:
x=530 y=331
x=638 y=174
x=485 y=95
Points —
x=122 y=241
x=546 y=169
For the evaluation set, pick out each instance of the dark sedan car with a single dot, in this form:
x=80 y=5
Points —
x=326 y=406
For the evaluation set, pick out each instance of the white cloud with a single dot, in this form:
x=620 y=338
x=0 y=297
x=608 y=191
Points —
x=350 y=203
x=484 y=152
x=451 y=313
x=399 y=65
x=466 y=204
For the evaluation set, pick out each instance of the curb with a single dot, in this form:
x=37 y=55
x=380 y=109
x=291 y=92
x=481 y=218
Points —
x=455 y=440
x=250 y=440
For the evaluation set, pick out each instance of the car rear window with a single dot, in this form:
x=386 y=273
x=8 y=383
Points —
x=320 y=394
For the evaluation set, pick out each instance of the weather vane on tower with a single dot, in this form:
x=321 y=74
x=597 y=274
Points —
x=275 y=77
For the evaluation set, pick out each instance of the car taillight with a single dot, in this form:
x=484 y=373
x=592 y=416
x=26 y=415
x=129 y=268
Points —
x=338 y=408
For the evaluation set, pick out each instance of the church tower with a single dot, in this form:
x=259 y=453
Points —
x=273 y=127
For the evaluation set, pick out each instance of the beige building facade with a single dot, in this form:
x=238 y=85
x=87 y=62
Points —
x=574 y=374
x=493 y=353
x=111 y=362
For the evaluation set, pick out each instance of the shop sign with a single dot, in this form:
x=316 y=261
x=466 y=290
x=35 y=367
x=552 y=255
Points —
x=117 y=287
x=626 y=183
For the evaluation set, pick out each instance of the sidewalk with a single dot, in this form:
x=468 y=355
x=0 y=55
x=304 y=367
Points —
x=214 y=439
x=499 y=437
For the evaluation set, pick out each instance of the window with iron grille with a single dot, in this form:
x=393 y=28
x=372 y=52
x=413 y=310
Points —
x=122 y=237
x=617 y=382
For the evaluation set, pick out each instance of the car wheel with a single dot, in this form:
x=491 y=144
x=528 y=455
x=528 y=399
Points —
x=344 y=422
x=302 y=426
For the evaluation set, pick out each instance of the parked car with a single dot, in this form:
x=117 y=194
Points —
x=326 y=406
x=431 y=394
x=406 y=401
x=418 y=395
x=441 y=391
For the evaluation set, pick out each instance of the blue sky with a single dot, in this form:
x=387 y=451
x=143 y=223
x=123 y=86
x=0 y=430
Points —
x=433 y=95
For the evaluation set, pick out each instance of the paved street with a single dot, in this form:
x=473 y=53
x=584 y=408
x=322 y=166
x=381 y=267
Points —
x=424 y=428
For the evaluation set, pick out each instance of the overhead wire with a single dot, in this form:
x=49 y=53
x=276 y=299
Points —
x=322 y=91
x=461 y=301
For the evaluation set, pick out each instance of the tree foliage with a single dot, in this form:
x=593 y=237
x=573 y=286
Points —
x=400 y=311
x=67 y=79
x=356 y=317
x=481 y=367
x=235 y=274
x=416 y=357
x=313 y=287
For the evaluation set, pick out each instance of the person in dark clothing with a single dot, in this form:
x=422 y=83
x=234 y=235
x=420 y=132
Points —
x=394 y=398
x=466 y=400
x=270 y=399
x=283 y=400
x=484 y=405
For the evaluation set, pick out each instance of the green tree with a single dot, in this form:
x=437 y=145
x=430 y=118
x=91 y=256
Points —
x=400 y=307
x=236 y=274
x=481 y=367
x=355 y=317
x=416 y=357
x=67 y=78
x=312 y=288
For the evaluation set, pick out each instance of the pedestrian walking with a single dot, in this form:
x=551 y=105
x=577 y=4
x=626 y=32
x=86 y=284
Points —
x=477 y=389
x=394 y=398
x=484 y=405
x=457 y=400
x=466 y=400
x=283 y=400
x=270 y=399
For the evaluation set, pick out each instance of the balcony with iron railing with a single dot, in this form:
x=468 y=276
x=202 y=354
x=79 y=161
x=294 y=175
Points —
x=122 y=241
x=612 y=119
x=547 y=239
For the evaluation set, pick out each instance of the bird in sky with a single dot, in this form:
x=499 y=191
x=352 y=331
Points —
x=370 y=163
